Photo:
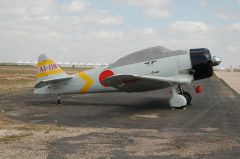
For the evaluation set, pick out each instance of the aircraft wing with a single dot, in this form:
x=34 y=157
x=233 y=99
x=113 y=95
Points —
x=135 y=83
x=50 y=81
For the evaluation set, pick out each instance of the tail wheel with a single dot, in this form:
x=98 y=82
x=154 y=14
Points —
x=59 y=101
x=188 y=97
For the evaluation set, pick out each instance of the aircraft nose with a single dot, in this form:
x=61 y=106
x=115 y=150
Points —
x=216 y=60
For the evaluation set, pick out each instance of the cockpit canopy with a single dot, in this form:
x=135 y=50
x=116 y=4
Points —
x=146 y=55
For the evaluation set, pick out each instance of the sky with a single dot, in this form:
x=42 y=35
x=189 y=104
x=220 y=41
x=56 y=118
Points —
x=101 y=31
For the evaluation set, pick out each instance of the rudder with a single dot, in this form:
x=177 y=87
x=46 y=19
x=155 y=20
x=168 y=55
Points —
x=47 y=69
x=48 y=73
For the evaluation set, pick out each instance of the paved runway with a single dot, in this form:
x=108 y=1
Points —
x=137 y=125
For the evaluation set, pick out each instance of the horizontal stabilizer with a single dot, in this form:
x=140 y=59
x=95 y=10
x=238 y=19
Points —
x=51 y=81
x=48 y=72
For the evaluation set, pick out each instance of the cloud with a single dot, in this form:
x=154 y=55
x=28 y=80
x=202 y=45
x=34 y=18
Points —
x=204 y=3
x=105 y=18
x=189 y=26
x=89 y=34
x=233 y=48
x=234 y=27
x=29 y=28
x=157 y=13
x=105 y=35
x=152 y=8
x=228 y=15
x=100 y=19
x=54 y=35
x=76 y=6
x=147 y=3
x=15 y=8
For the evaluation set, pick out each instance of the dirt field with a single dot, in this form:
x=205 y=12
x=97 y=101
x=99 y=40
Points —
x=231 y=78
x=116 y=125
x=16 y=80
x=20 y=77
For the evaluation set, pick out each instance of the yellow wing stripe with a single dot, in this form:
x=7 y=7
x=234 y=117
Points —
x=48 y=73
x=45 y=62
x=89 y=82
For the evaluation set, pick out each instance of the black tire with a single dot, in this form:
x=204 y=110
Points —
x=59 y=102
x=188 y=97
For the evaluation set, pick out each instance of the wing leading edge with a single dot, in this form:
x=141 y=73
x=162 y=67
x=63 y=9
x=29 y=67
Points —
x=135 y=83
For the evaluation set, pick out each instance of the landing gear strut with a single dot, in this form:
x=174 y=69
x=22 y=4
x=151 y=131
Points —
x=185 y=94
x=59 y=101
x=179 y=98
x=188 y=97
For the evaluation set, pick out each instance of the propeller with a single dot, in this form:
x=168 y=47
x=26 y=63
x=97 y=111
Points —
x=216 y=60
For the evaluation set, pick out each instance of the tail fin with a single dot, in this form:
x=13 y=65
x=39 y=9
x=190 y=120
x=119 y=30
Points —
x=48 y=72
x=47 y=69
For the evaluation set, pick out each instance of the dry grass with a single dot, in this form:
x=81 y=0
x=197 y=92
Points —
x=12 y=77
x=17 y=130
x=5 y=122
x=11 y=124
x=35 y=127
x=18 y=77
x=12 y=138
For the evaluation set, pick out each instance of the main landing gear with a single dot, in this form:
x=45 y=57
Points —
x=185 y=94
x=179 y=98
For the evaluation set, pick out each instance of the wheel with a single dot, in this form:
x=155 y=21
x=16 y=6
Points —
x=59 y=101
x=188 y=97
x=177 y=101
x=178 y=108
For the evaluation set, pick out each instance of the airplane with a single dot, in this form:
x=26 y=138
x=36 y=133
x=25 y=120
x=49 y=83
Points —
x=146 y=70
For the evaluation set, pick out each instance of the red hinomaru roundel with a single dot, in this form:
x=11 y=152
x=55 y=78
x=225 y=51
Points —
x=103 y=75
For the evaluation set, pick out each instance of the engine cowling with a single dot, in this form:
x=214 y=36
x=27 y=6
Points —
x=202 y=63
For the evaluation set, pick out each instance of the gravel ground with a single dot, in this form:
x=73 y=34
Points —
x=121 y=125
